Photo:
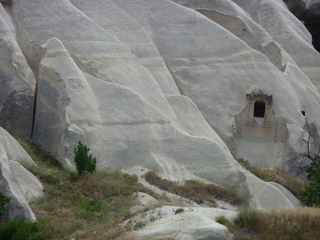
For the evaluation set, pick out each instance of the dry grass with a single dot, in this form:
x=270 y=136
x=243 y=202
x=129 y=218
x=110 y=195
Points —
x=196 y=191
x=276 y=224
x=81 y=207
x=276 y=175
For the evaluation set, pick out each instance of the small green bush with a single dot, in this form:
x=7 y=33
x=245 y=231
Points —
x=20 y=230
x=312 y=194
x=85 y=163
x=3 y=201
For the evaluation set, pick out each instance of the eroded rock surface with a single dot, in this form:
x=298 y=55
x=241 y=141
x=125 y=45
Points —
x=181 y=90
x=17 y=83
x=17 y=182
x=18 y=207
x=170 y=222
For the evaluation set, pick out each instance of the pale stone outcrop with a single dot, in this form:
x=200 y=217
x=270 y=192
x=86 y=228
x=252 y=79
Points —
x=97 y=85
x=186 y=226
x=17 y=83
x=13 y=149
x=18 y=207
x=237 y=21
x=268 y=195
x=219 y=76
x=16 y=181
x=123 y=131
x=289 y=33
x=295 y=202
x=29 y=184
x=133 y=35
x=182 y=223
x=191 y=120
x=94 y=50
x=145 y=201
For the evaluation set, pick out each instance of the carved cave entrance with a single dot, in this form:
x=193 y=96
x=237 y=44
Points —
x=259 y=108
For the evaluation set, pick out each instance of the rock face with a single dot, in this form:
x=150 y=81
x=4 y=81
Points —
x=87 y=110
x=188 y=223
x=17 y=83
x=220 y=78
x=179 y=87
x=290 y=33
x=185 y=226
x=15 y=181
x=18 y=206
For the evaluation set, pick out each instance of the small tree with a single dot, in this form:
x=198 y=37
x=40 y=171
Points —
x=309 y=162
x=85 y=163
x=3 y=201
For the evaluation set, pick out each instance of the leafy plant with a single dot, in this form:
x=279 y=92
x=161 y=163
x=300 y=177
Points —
x=312 y=194
x=21 y=230
x=85 y=163
x=3 y=201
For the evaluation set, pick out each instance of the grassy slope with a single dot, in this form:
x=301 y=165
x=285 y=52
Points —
x=91 y=207
x=86 y=207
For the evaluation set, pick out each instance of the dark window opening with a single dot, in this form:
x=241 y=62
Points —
x=259 y=108
x=303 y=113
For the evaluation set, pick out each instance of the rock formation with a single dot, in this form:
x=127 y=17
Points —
x=179 y=87
x=15 y=181
x=17 y=83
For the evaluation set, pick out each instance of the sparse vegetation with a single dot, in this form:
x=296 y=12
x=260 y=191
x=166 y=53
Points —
x=3 y=201
x=309 y=162
x=197 y=191
x=276 y=175
x=21 y=229
x=312 y=194
x=86 y=207
x=284 y=224
x=91 y=206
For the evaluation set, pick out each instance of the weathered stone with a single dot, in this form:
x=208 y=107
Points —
x=172 y=222
x=145 y=201
x=133 y=35
x=29 y=184
x=110 y=74
x=130 y=131
x=13 y=149
x=17 y=84
x=18 y=207
x=289 y=33
x=188 y=224
x=218 y=77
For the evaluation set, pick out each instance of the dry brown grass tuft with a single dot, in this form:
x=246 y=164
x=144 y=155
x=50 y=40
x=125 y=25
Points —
x=196 y=191
x=278 y=224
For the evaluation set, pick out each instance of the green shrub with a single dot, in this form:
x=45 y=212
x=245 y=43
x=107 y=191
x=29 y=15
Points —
x=20 y=230
x=85 y=163
x=3 y=201
x=312 y=194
